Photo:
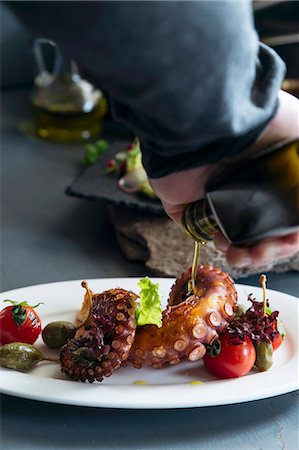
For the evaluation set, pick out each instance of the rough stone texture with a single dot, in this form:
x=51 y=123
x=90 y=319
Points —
x=167 y=251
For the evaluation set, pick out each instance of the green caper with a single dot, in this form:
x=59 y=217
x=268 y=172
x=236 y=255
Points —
x=240 y=311
x=264 y=355
x=20 y=356
x=56 y=334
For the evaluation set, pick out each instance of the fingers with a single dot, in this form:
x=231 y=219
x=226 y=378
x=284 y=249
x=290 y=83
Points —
x=174 y=211
x=221 y=243
x=274 y=249
x=260 y=254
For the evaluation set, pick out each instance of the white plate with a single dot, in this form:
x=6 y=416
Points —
x=171 y=387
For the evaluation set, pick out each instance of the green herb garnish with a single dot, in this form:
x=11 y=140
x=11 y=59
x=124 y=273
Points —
x=94 y=151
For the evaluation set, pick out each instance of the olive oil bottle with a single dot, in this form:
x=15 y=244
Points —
x=67 y=107
x=255 y=198
x=72 y=125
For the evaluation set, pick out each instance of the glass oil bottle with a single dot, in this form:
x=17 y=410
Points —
x=67 y=107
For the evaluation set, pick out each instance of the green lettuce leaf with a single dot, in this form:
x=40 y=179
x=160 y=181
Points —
x=149 y=310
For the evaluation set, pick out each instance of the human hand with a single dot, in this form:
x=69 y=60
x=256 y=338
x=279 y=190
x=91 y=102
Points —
x=180 y=188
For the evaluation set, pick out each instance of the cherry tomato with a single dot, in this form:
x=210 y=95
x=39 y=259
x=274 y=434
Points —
x=276 y=343
x=19 y=322
x=233 y=360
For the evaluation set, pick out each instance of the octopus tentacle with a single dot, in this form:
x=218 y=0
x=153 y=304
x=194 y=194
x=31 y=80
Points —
x=100 y=348
x=189 y=323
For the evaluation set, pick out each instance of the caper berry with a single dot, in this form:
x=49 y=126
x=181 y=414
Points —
x=56 y=334
x=240 y=311
x=19 y=356
x=264 y=355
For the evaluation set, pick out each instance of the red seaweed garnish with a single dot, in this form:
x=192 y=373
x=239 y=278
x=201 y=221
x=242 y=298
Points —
x=254 y=324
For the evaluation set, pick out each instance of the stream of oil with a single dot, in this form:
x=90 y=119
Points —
x=192 y=281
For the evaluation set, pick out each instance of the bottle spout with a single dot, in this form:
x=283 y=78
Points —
x=198 y=221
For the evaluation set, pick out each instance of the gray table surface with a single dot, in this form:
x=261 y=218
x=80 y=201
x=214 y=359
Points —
x=47 y=236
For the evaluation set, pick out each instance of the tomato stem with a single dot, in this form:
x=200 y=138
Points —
x=15 y=303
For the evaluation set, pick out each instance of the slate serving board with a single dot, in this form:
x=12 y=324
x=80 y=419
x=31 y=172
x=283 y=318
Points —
x=95 y=184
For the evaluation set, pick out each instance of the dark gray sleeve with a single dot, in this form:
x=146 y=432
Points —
x=189 y=77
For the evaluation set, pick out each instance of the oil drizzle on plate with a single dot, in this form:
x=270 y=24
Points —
x=140 y=382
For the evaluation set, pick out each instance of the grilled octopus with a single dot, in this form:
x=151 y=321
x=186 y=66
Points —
x=103 y=344
x=189 y=322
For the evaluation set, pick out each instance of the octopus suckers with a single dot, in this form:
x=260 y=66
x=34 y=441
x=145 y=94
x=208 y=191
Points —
x=120 y=317
x=131 y=324
x=214 y=318
x=157 y=365
x=120 y=306
x=139 y=352
x=159 y=352
x=77 y=371
x=115 y=344
x=119 y=329
x=116 y=366
x=180 y=345
x=136 y=365
x=130 y=340
x=199 y=330
x=108 y=374
x=212 y=336
x=228 y=309
x=174 y=361
x=197 y=353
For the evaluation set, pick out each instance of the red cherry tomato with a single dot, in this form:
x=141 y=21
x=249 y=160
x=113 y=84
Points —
x=277 y=341
x=19 y=322
x=233 y=360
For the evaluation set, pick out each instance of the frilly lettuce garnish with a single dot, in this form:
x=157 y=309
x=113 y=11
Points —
x=128 y=164
x=149 y=310
x=134 y=163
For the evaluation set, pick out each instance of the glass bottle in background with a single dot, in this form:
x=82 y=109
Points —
x=255 y=198
x=68 y=108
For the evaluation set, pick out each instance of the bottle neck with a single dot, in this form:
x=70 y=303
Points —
x=198 y=221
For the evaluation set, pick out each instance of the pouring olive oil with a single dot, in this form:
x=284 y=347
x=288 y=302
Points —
x=192 y=282
x=252 y=199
